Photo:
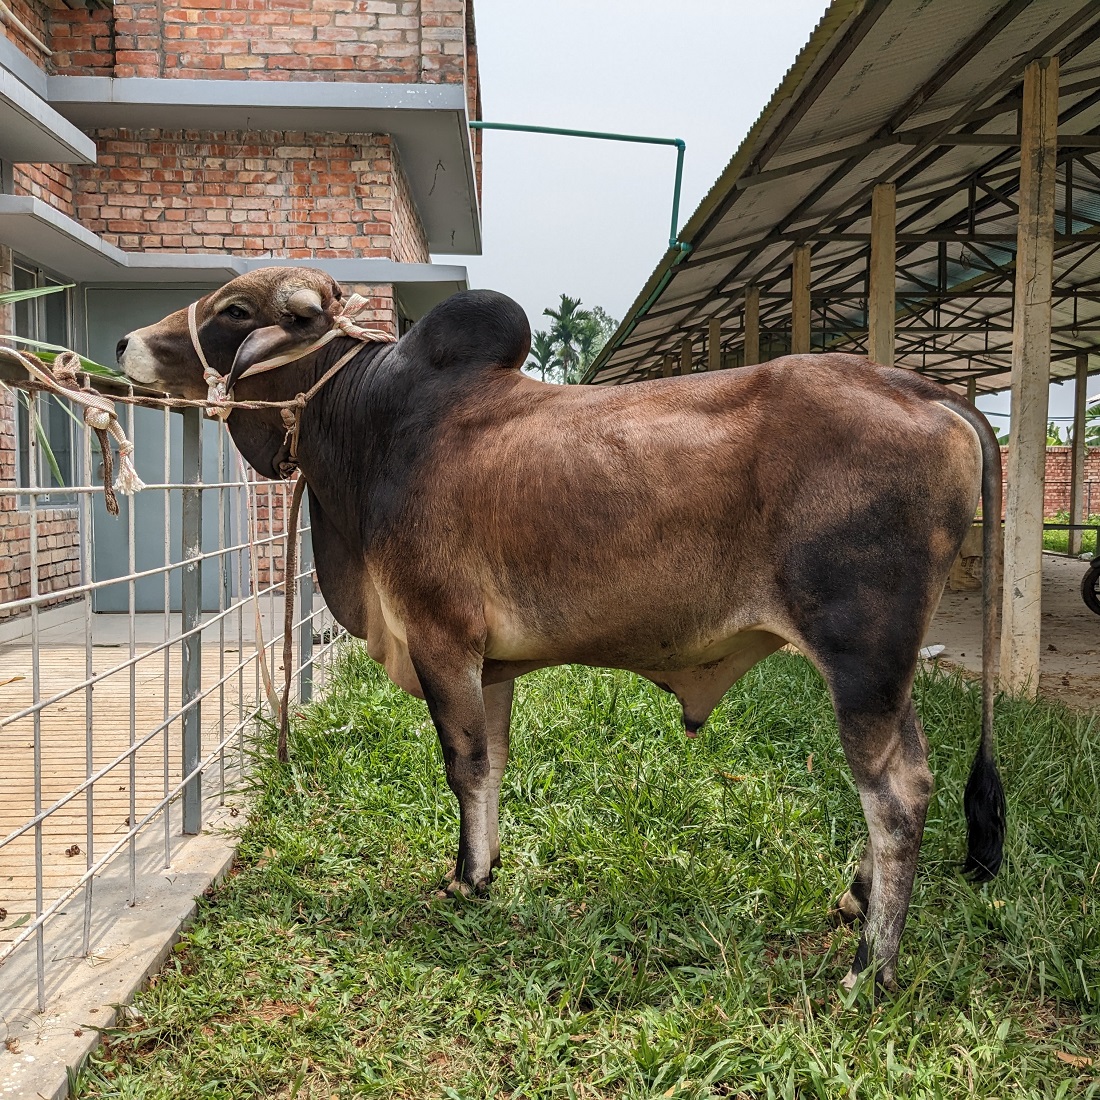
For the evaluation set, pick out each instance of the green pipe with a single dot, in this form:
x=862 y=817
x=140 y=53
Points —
x=684 y=248
x=673 y=241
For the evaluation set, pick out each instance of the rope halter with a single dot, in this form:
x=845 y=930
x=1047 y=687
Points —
x=219 y=402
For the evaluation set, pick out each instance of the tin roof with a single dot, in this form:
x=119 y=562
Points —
x=924 y=94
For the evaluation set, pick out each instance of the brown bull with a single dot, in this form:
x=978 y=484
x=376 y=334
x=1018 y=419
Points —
x=473 y=524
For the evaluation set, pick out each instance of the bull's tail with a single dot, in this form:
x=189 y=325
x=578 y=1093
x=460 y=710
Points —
x=984 y=800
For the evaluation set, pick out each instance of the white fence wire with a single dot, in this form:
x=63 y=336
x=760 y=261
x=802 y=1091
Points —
x=118 y=728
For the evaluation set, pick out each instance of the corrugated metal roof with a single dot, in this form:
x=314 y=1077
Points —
x=885 y=90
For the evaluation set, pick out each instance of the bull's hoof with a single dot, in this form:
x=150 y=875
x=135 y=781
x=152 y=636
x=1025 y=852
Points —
x=883 y=984
x=454 y=887
x=848 y=910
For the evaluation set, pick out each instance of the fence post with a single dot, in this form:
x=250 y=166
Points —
x=305 y=605
x=191 y=532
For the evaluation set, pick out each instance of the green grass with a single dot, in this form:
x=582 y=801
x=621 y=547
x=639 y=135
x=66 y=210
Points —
x=1058 y=541
x=660 y=927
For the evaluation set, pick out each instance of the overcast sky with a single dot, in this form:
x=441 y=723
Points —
x=591 y=218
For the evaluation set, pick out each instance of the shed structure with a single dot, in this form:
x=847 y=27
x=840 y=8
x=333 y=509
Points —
x=923 y=188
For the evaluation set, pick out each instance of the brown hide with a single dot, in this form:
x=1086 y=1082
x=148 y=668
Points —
x=473 y=524
x=648 y=527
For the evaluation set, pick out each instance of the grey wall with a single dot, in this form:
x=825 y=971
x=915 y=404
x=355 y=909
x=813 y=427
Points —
x=109 y=314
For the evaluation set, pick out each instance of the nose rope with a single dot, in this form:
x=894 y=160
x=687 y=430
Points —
x=220 y=404
x=100 y=415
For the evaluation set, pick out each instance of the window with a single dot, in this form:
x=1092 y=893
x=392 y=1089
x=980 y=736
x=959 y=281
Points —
x=47 y=319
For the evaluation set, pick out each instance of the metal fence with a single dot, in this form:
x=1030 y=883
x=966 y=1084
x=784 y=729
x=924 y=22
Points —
x=121 y=733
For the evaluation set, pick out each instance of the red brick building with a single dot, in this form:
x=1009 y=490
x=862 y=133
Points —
x=150 y=151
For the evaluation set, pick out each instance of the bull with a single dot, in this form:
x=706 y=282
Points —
x=473 y=524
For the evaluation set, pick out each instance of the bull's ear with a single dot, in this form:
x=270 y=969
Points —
x=266 y=343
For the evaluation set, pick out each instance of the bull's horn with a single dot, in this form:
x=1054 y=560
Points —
x=305 y=302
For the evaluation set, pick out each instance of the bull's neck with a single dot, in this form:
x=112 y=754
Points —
x=351 y=444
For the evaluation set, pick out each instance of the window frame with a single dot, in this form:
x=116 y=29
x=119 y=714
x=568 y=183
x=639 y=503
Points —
x=57 y=424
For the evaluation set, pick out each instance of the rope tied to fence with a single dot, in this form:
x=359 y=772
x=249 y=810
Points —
x=99 y=415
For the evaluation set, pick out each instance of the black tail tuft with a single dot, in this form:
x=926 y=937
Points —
x=984 y=802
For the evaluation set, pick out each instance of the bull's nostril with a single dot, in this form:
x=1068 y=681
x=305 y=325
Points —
x=120 y=348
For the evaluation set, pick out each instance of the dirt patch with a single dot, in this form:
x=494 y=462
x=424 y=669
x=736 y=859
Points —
x=1069 y=666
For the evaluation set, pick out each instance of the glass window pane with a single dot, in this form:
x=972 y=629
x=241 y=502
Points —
x=56 y=310
x=45 y=318
x=25 y=313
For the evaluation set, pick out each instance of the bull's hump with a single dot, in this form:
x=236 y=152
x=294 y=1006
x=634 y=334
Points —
x=474 y=328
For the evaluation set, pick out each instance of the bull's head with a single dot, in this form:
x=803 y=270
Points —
x=268 y=312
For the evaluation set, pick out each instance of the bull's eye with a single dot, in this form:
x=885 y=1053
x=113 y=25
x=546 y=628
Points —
x=236 y=313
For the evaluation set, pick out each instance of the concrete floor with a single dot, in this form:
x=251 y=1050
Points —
x=1069 y=669
x=133 y=917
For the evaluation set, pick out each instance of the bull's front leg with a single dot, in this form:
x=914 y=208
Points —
x=498 y=722
x=453 y=692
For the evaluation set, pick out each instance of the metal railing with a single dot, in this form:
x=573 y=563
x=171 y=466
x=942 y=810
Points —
x=127 y=705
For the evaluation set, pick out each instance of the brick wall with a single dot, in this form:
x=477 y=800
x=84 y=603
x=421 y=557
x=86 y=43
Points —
x=1058 y=473
x=410 y=242
x=287 y=194
x=270 y=504
x=420 y=41
x=83 y=41
x=58 y=554
x=52 y=183
x=34 y=14
x=280 y=193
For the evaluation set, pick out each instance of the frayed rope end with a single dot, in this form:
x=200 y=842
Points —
x=128 y=483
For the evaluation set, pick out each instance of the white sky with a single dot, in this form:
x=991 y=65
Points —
x=591 y=218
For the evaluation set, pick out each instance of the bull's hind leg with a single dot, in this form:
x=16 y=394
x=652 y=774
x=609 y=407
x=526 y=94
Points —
x=888 y=756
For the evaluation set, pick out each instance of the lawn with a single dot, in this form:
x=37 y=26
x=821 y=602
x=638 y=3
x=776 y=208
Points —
x=660 y=928
x=1058 y=541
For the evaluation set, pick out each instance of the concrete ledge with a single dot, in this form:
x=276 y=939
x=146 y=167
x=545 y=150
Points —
x=129 y=944
x=33 y=132
x=38 y=231
x=427 y=121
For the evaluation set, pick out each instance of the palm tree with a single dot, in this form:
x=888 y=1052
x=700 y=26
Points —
x=543 y=354
x=567 y=328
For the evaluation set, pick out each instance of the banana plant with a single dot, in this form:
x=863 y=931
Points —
x=48 y=353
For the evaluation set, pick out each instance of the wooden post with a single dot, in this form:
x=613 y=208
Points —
x=971 y=389
x=1077 y=459
x=882 y=305
x=752 y=326
x=1023 y=575
x=668 y=366
x=714 y=344
x=800 y=300
x=685 y=355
